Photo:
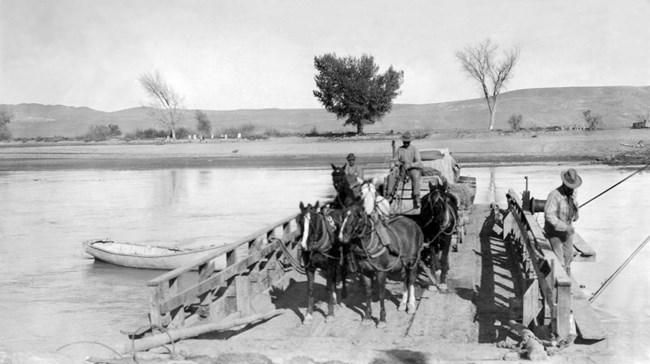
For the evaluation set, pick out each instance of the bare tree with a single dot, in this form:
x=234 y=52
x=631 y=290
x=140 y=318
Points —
x=165 y=104
x=480 y=62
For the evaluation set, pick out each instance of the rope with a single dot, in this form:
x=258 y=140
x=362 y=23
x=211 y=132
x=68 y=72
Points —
x=625 y=263
x=618 y=183
x=91 y=342
x=292 y=260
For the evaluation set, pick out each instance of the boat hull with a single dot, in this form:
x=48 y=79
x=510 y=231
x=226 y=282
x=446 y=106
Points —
x=146 y=257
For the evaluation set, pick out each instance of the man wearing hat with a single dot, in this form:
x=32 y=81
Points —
x=409 y=157
x=560 y=211
x=351 y=169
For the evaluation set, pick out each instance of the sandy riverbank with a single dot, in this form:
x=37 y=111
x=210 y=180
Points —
x=469 y=148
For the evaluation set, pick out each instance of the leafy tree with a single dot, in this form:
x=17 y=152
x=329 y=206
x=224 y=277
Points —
x=352 y=88
x=203 y=123
x=6 y=116
x=515 y=121
x=114 y=130
x=593 y=120
x=480 y=62
x=165 y=104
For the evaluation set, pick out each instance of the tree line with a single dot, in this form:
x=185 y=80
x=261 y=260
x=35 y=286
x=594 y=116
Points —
x=352 y=88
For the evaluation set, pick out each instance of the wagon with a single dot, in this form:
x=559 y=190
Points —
x=439 y=162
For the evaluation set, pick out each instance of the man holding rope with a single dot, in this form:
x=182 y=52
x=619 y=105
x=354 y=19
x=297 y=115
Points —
x=560 y=211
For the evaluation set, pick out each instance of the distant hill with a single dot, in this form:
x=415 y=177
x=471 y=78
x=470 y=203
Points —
x=617 y=105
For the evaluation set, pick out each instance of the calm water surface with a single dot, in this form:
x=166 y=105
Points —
x=52 y=294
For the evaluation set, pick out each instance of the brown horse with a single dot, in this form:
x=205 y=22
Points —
x=322 y=250
x=343 y=184
x=438 y=220
x=375 y=259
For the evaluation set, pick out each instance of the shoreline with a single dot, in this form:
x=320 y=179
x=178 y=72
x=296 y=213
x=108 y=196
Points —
x=608 y=147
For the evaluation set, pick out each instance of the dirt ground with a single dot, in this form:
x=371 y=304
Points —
x=624 y=146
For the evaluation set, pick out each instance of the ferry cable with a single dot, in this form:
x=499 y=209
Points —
x=625 y=263
x=618 y=183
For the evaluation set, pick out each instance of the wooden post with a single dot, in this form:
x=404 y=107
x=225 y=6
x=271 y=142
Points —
x=177 y=315
x=243 y=295
x=155 y=299
x=563 y=308
x=230 y=296
x=205 y=271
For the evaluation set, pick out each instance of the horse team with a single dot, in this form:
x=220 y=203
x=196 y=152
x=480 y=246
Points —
x=356 y=233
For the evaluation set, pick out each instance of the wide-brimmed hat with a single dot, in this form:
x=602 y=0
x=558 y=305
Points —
x=406 y=137
x=571 y=179
x=351 y=156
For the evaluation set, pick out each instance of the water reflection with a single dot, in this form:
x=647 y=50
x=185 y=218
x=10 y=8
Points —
x=46 y=278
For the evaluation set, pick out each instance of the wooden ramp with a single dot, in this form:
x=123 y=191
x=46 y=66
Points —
x=445 y=325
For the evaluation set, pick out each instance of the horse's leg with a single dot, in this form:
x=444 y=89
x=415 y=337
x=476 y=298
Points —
x=381 y=282
x=435 y=262
x=344 y=278
x=411 y=277
x=445 y=261
x=405 y=296
x=366 y=282
x=310 y=294
x=331 y=289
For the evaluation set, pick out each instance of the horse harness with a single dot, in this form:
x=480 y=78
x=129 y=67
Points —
x=325 y=242
x=375 y=248
x=443 y=229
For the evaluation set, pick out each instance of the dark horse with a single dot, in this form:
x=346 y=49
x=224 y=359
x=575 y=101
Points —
x=438 y=220
x=345 y=194
x=321 y=250
x=404 y=236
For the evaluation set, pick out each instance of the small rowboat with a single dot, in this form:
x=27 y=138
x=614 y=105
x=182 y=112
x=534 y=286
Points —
x=148 y=256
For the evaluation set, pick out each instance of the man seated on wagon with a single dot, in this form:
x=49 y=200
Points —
x=407 y=157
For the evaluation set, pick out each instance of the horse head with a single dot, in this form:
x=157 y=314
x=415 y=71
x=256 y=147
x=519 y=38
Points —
x=307 y=223
x=354 y=223
x=438 y=206
x=346 y=186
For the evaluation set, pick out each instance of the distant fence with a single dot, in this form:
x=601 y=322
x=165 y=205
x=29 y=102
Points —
x=254 y=265
x=544 y=278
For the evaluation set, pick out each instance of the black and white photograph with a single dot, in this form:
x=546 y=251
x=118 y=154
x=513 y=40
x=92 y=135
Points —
x=321 y=182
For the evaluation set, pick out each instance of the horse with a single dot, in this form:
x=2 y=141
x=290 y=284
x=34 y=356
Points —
x=345 y=195
x=375 y=259
x=438 y=219
x=321 y=250
x=350 y=190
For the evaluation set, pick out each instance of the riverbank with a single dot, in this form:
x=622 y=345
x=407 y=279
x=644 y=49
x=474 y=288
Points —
x=624 y=146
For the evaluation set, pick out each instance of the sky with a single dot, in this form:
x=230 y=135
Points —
x=254 y=54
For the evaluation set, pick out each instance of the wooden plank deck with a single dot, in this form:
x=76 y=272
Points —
x=446 y=324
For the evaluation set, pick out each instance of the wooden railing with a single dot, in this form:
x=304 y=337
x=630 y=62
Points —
x=541 y=269
x=254 y=264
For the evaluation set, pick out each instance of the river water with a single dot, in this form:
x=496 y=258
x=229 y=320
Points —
x=52 y=294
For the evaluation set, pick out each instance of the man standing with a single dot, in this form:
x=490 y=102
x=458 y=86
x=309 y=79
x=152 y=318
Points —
x=408 y=157
x=560 y=211
x=351 y=169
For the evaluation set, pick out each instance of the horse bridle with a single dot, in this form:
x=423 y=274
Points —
x=431 y=203
x=325 y=242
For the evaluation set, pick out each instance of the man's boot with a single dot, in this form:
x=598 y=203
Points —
x=416 y=202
